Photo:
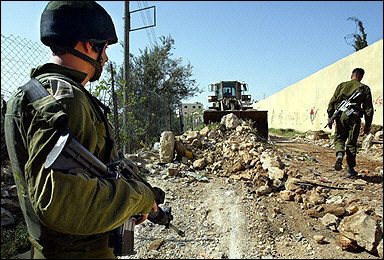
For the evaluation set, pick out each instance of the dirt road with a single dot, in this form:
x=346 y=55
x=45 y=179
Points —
x=222 y=217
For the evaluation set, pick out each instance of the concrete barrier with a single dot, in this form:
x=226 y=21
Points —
x=303 y=105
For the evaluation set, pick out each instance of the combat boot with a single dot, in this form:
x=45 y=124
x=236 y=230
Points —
x=351 y=172
x=339 y=161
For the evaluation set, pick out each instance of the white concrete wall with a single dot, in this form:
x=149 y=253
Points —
x=292 y=106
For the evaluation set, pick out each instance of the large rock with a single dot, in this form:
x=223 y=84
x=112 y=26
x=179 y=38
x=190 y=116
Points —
x=330 y=221
x=363 y=229
x=316 y=198
x=346 y=244
x=230 y=121
x=320 y=135
x=6 y=217
x=275 y=173
x=291 y=185
x=379 y=136
x=180 y=150
x=287 y=195
x=204 y=132
x=380 y=249
x=274 y=165
x=10 y=204
x=269 y=159
x=172 y=171
x=321 y=210
x=167 y=147
x=199 y=164
x=237 y=166
x=367 y=142
x=189 y=136
x=263 y=190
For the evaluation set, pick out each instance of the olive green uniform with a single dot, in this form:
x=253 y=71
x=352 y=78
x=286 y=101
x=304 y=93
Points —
x=348 y=127
x=67 y=215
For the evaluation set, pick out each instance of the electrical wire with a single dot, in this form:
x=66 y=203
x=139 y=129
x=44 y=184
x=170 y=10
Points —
x=150 y=22
x=145 y=24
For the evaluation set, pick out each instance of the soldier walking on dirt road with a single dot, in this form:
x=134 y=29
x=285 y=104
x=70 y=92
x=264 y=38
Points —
x=349 y=122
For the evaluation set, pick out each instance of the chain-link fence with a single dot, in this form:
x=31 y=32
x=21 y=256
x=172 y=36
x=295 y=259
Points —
x=18 y=57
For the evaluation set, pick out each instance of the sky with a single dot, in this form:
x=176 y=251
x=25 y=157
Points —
x=268 y=44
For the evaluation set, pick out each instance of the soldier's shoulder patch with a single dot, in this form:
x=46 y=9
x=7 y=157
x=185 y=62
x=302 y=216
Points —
x=61 y=88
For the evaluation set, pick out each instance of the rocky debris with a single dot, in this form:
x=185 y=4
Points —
x=10 y=208
x=6 y=217
x=233 y=152
x=363 y=229
x=167 y=145
x=380 y=249
x=346 y=244
x=155 y=244
x=372 y=143
x=319 y=239
x=320 y=135
x=330 y=221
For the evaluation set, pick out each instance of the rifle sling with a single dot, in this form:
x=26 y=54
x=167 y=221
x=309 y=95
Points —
x=34 y=90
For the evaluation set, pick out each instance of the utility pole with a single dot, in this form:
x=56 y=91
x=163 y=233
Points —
x=115 y=113
x=127 y=29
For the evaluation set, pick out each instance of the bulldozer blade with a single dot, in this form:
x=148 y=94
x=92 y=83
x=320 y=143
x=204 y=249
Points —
x=259 y=118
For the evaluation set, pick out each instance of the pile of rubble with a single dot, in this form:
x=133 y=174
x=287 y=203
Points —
x=10 y=208
x=233 y=150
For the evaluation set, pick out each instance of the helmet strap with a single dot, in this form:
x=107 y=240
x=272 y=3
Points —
x=95 y=63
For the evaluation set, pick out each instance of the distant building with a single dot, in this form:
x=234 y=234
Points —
x=191 y=115
x=189 y=108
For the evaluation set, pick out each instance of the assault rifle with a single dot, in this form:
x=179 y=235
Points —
x=344 y=105
x=70 y=156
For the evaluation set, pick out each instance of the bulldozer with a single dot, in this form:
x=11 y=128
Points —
x=229 y=98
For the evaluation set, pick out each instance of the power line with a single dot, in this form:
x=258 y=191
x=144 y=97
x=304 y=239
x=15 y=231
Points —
x=150 y=22
x=145 y=24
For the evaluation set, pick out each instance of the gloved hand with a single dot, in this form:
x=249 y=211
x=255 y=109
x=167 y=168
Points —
x=330 y=123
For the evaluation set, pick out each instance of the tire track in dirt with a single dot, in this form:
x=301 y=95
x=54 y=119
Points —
x=227 y=212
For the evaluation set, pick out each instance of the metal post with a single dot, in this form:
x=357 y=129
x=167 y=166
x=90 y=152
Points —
x=127 y=27
x=115 y=114
x=127 y=89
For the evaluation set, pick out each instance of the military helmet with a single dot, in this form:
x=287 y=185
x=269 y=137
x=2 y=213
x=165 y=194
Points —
x=64 y=22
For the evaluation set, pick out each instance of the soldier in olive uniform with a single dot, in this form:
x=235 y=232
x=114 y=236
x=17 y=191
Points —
x=348 y=126
x=70 y=215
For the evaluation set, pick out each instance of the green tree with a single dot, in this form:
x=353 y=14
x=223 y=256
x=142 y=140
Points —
x=357 y=40
x=160 y=83
x=157 y=85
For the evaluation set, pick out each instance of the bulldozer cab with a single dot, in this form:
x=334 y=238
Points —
x=228 y=95
x=228 y=89
x=228 y=98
